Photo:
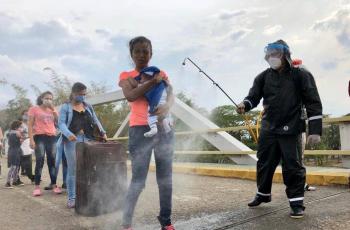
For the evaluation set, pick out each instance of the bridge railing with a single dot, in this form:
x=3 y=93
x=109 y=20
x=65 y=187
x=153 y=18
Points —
x=344 y=128
x=222 y=140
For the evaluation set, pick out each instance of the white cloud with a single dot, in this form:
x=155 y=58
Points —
x=103 y=32
x=240 y=34
x=336 y=21
x=7 y=66
x=87 y=43
x=18 y=73
x=41 y=39
x=272 y=30
x=339 y=22
x=225 y=15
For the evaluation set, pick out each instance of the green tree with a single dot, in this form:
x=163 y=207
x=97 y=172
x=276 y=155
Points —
x=226 y=116
x=188 y=101
x=111 y=115
x=59 y=85
x=121 y=111
x=330 y=140
x=15 y=106
x=189 y=142
x=108 y=114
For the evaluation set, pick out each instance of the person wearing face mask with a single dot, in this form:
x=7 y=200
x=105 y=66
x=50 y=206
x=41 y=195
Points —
x=42 y=131
x=285 y=90
x=76 y=123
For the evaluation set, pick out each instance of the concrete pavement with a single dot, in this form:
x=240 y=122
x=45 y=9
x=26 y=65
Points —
x=199 y=202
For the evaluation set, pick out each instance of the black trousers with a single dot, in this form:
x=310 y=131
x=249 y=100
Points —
x=26 y=166
x=273 y=149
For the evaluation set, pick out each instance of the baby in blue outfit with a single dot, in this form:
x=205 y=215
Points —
x=156 y=96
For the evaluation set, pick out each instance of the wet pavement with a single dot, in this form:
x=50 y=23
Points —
x=199 y=202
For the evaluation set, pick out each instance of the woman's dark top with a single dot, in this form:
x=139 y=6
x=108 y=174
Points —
x=82 y=121
x=15 y=151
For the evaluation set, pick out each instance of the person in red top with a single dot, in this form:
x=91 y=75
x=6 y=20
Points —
x=140 y=147
x=42 y=136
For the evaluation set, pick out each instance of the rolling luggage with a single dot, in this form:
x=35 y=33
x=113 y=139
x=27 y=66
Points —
x=101 y=177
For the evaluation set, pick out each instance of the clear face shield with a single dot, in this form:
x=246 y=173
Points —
x=275 y=50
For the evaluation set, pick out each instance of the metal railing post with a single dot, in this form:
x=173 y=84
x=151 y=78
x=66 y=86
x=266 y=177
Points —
x=344 y=130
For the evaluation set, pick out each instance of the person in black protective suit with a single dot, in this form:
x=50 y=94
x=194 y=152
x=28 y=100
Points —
x=302 y=138
x=284 y=90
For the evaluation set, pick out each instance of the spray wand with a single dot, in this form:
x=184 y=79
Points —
x=246 y=118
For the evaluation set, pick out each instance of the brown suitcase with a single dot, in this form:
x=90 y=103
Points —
x=101 y=177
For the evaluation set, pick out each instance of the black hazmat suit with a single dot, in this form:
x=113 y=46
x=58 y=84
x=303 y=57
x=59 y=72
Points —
x=283 y=96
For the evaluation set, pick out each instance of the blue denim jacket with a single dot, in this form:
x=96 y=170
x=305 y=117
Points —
x=66 y=116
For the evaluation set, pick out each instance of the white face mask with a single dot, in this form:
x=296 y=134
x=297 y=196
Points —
x=47 y=102
x=274 y=62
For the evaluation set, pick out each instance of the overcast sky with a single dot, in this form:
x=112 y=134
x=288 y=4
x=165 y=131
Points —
x=87 y=41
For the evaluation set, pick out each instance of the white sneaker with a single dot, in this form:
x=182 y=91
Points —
x=152 y=132
x=309 y=188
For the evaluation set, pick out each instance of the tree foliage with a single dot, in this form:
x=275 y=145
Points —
x=190 y=142
x=226 y=116
x=112 y=115
x=59 y=85
x=15 y=106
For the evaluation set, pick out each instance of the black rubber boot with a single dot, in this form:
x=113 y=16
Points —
x=258 y=200
x=297 y=212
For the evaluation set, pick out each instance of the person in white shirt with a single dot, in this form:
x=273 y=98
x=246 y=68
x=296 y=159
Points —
x=26 y=158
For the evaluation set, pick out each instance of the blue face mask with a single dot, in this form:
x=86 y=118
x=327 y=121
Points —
x=79 y=98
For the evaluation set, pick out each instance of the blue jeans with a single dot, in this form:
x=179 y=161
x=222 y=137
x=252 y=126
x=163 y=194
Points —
x=140 y=149
x=61 y=156
x=69 y=150
x=44 y=144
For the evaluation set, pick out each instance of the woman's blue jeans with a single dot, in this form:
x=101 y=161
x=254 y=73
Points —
x=61 y=156
x=44 y=145
x=140 y=149
x=69 y=150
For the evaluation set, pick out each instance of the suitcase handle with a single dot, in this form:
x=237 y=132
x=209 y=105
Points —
x=100 y=139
